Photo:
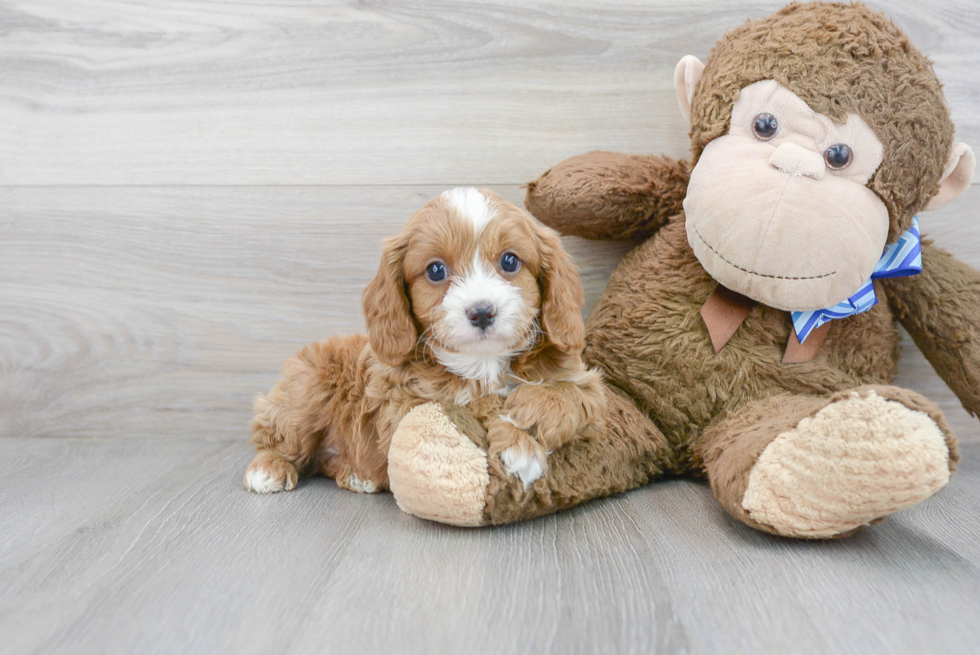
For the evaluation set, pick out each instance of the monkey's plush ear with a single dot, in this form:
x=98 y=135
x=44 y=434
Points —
x=957 y=176
x=387 y=310
x=686 y=76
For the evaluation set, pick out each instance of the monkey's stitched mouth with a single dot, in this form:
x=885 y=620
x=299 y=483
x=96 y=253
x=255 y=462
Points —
x=757 y=274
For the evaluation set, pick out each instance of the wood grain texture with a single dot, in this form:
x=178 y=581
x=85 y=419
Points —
x=161 y=312
x=191 y=191
x=313 y=92
x=176 y=557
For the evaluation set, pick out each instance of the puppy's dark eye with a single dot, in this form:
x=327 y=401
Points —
x=436 y=272
x=838 y=156
x=765 y=126
x=509 y=263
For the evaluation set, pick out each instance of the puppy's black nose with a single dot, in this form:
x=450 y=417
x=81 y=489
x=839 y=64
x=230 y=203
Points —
x=481 y=316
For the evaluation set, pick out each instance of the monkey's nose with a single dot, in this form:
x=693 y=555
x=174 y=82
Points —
x=797 y=160
x=481 y=316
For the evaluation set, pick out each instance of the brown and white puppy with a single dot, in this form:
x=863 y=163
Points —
x=473 y=298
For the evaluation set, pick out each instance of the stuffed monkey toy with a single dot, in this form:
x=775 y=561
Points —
x=751 y=338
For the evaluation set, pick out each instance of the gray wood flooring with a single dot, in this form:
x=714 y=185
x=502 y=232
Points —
x=190 y=191
x=152 y=546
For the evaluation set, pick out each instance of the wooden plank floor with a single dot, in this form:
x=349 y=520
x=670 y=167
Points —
x=152 y=546
x=190 y=191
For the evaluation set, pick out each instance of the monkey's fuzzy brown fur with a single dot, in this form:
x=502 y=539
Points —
x=646 y=333
x=677 y=407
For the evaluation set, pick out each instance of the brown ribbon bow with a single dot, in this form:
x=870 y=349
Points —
x=725 y=310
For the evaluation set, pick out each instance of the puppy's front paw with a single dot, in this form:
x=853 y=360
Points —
x=269 y=473
x=520 y=453
x=528 y=465
x=351 y=482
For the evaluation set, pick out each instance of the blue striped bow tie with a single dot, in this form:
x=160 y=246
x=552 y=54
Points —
x=901 y=259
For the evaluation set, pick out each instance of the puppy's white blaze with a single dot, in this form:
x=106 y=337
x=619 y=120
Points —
x=262 y=483
x=468 y=351
x=471 y=204
x=527 y=466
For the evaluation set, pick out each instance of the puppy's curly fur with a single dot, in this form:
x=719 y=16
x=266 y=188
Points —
x=473 y=298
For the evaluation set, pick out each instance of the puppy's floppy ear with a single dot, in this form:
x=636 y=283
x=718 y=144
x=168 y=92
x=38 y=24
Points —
x=562 y=297
x=387 y=310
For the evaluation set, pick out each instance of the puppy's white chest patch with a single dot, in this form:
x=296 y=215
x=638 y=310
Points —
x=483 y=368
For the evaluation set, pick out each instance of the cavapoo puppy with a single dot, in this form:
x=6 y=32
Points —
x=473 y=298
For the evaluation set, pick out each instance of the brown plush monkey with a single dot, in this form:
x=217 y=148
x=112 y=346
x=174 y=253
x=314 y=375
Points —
x=818 y=133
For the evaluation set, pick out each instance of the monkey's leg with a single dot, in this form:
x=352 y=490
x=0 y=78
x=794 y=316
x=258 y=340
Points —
x=608 y=195
x=821 y=467
x=439 y=468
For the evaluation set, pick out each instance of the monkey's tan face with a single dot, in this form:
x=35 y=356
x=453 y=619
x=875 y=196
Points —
x=778 y=210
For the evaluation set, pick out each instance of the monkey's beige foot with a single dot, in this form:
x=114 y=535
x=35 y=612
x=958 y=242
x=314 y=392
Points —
x=269 y=473
x=435 y=471
x=858 y=459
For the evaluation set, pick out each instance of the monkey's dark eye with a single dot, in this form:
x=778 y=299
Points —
x=838 y=156
x=509 y=263
x=765 y=127
x=436 y=272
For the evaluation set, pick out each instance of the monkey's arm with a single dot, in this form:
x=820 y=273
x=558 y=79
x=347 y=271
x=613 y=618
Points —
x=940 y=308
x=609 y=196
